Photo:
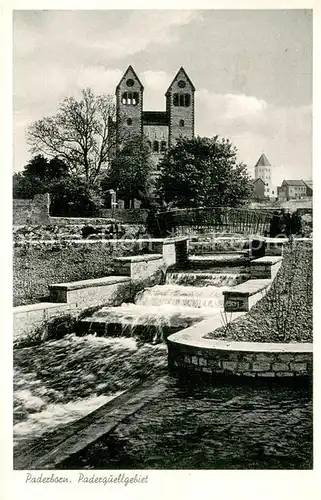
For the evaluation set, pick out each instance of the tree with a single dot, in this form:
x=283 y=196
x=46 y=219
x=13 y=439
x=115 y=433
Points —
x=201 y=172
x=38 y=176
x=72 y=198
x=80 y=134
x=130 y=171
x=69 y=195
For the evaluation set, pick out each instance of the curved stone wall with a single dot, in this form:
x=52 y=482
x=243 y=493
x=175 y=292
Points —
x=189 y=351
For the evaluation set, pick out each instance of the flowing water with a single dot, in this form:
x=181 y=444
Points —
x=199 y=278
x=190 y=425
x=220 y=426
x=60 y=381
x=164 y=309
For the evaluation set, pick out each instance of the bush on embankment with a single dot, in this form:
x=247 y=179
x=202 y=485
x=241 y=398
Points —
x=37 y=265
x=285 y=314
x=107 y=228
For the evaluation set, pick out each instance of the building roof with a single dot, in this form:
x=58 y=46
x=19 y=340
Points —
x=309 y=183
x=155 y=118
x=128 y=70
x=258 y=179
x=181 y=70
x=295 y=182
x=263 y=161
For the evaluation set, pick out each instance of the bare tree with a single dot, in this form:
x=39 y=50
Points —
x=81 y=134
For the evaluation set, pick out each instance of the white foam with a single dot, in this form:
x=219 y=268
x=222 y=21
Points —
x=56 y=414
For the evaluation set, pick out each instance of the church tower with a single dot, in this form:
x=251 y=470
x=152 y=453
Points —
x=263 y=170
x=180 y=107
x=129 y=105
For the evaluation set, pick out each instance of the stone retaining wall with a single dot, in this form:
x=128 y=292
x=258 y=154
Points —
x=91 y=293
x=35 y=211
x=135 y=273
x=191 y=351
x=27 y=319
x=260 y=361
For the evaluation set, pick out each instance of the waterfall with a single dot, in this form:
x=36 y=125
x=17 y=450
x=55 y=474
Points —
x=206 y=279
x=186 y=298
x=177 y=295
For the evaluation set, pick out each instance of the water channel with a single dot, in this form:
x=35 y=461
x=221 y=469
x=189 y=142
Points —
x=188 y=424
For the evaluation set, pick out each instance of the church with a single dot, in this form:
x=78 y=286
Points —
x=161 y=128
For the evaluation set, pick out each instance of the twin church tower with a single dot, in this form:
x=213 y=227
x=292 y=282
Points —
x=161 y=128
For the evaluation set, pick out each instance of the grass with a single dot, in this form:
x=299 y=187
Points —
x=37 y=266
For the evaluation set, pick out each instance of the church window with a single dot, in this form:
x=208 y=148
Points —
x=181 y=84
x=130 y=82
x=163 y=146
x=129 y=121
x=130 y=98
x=181 y=123
x=156 y=147
x=182 y=100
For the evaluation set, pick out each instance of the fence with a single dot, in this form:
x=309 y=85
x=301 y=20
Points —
x=216 y=219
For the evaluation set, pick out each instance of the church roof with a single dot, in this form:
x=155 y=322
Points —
x=263 y=161
x=128 y=70
x=181 y=70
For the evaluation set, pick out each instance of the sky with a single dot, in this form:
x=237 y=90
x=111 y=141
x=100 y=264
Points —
x=252 y=70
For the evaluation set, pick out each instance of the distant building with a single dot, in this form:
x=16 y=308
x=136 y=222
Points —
x=294 y=190
x=263 y=171
x=309 y=185
x=258 y=189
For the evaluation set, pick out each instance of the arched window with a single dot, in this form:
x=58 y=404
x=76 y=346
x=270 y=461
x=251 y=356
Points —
x=129 y=121
x=156 y=147
x=181 y=123
x=149 y=144
x=163 y=146
x=182 y=100
x=130 y=98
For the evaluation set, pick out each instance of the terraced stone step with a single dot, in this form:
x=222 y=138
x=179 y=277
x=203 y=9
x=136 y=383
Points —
x=184 y=300
x=219 y=247
x=217 y=260
x=137 y=266
x=243 y=297
x=171 y=290
x=204 y=278
x=132 y=319
x=265 y=267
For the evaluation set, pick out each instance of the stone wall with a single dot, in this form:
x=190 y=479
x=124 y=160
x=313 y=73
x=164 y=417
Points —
x=124 y=216
x=27 y=319
x=255 y=360
x=81 y=295
x=134 y=274
x=35 y=211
